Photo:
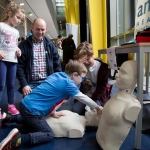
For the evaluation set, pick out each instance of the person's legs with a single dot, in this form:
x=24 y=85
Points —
x=3 y=70
x=79 y=108
x=13 y=139
x=42 y=132
x=10 y=77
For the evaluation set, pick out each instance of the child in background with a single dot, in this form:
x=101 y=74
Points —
x=59 y=41
x=59 y=48
x=9 y=51
x=97 y=74
x=44 y=100
x=20 y=39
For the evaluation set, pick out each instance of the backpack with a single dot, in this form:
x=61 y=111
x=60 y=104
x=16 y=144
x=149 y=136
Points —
x=146 y=116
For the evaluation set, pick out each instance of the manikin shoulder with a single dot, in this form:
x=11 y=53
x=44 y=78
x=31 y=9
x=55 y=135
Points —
x=130 y=105
x=132 y=110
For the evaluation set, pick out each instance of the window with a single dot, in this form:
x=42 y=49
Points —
x=122 y=19
x=60 y=10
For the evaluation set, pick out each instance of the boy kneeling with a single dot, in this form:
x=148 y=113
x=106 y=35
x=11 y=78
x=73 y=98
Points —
x=44 y=100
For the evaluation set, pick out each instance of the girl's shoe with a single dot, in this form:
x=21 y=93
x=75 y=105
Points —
x=13 y=110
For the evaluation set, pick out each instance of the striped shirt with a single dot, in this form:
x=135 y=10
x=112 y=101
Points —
x=39 y=70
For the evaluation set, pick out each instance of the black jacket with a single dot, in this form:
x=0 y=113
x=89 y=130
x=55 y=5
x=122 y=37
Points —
x=25 y=62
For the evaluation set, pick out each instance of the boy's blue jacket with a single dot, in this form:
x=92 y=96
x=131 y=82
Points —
x=25 y=62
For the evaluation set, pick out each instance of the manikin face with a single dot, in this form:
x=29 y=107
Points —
x=78 y=78
x=16 y=19
x=87 y=61
x=38 y=29
x=127 y=76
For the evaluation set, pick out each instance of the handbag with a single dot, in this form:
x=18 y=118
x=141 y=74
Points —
x=146 y=116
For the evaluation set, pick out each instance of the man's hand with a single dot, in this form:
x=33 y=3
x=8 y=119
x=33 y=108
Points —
x=18 y=52
x=57 y=114
x=26 y=90
x=99 y=109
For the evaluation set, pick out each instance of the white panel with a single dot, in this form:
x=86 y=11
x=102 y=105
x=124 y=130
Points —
x=120 y=17
x=72 y=29
x=113 y=19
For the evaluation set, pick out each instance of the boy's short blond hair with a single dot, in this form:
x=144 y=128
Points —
x=83 y=49
x=75 y=66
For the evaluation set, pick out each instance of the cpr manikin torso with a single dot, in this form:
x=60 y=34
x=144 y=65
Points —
x=121 y=111
x=72 y=125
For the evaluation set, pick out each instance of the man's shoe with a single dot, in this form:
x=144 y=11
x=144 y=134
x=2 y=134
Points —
x=13 y=110
x=10 y=142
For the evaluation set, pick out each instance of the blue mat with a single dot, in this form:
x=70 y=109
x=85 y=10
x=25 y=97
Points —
x=88 y=142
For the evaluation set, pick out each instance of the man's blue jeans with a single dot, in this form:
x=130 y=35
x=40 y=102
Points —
x=41 y=133
x=33 y=84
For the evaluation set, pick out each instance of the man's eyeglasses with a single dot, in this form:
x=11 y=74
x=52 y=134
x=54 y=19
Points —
x=82 y=78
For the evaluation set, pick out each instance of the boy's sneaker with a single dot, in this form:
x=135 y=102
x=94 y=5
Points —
x=3 y=117
x=10 y=142
x=6 y=118
x=13 y=110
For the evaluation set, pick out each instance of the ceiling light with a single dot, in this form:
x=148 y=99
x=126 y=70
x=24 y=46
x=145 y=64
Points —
x=30 y=14
x=21 y=4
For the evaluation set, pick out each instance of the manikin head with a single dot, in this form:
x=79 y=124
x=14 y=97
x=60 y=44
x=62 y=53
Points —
x=92 y=117
x=127 y=77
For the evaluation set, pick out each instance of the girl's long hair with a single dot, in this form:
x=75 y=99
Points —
x=13 y=8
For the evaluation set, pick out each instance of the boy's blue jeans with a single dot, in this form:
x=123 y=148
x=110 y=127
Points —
x=41 y=133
